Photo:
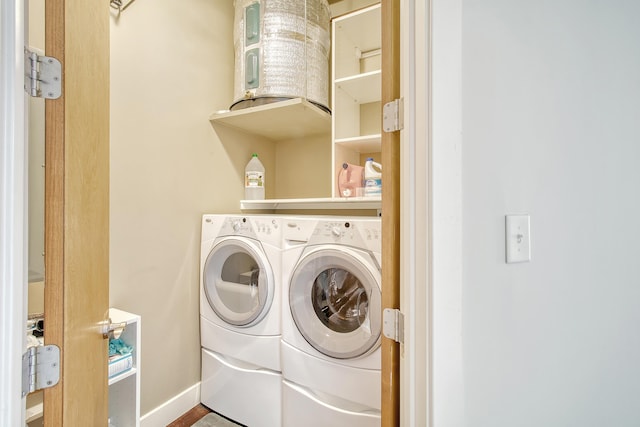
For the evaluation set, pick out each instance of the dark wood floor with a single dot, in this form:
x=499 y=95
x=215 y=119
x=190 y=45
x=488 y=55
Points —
x=188 y=419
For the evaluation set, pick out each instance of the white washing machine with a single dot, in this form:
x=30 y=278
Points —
x=240 y=317
x=331 y=322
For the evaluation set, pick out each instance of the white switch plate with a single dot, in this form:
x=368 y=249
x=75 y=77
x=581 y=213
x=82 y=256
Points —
x=517 y=235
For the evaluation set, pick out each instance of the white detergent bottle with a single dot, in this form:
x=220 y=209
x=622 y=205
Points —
x=372 y=178
x=254 y=179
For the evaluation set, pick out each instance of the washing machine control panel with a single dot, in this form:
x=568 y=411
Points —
x=358 y=233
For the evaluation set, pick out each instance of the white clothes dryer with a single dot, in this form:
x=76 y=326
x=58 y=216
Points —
x=331 y=321
x=240 y=317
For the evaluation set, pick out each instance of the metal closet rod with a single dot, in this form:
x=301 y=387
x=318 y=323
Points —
x=117 y=4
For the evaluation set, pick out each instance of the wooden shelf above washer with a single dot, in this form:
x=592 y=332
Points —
x=332 y=203
x=278 y=121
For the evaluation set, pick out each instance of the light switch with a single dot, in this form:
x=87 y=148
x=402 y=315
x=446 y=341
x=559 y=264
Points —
x=517 y=235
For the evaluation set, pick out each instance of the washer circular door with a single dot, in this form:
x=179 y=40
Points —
x=334 y=296
x=238 y=281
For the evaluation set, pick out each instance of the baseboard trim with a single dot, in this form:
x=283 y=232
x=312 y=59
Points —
x=173 y=408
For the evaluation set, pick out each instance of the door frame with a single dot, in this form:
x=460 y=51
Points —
x=13 y=208
x=431 y=270
x=391 y=212
x=416 y=214
x=390 y=405
x=77 y=212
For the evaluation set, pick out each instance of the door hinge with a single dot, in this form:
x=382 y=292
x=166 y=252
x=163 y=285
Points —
x=40 y=368
x=393 y=115
x=42 y=75
x=393 y=324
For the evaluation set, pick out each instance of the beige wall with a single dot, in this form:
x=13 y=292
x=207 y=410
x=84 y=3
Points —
x=171 y=67
x=303 y=168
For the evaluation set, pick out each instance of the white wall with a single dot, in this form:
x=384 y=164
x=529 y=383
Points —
x=551 y=106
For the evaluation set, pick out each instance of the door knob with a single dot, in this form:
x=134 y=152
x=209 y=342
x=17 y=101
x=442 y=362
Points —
x=110 y=329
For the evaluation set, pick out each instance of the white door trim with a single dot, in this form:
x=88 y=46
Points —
x=13 y=203
x=415 y=375
x=431 y=280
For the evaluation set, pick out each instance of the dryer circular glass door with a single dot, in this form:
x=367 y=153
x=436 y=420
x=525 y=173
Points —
x=238 y=281
x=334 y=296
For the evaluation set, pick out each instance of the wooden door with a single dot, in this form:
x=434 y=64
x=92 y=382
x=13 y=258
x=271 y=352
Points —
x=77 y=212
x=390 y=211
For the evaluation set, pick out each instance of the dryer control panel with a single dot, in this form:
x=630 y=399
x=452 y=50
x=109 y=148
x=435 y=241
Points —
x=263 y=228
x=237 y=226
x=268 y=229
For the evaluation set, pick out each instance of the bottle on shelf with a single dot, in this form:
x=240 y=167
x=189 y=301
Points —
x=372 y=178
x=254 y=179
x=349 y=179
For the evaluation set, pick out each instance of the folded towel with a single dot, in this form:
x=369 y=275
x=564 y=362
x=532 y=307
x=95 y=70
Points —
x=117 y=346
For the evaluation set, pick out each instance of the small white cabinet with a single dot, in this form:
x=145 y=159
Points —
x=124 y=388
x=356 y=87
